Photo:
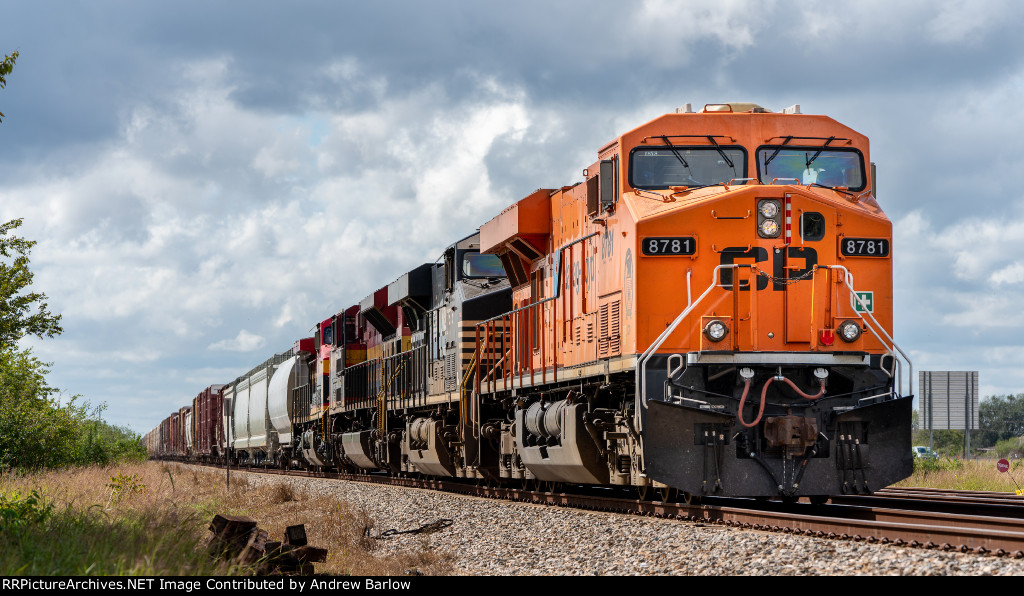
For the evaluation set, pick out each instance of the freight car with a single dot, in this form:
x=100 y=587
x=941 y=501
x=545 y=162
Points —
x=709 y=310
x=208 y=424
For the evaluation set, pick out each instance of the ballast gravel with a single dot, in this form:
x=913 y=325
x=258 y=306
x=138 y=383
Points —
x=495 y=537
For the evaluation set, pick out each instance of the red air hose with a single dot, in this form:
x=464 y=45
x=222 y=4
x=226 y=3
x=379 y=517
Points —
x=801 y=393
x=764 y=393
x=743 y=401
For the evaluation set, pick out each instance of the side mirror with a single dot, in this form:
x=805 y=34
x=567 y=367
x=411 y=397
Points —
x=609 y=186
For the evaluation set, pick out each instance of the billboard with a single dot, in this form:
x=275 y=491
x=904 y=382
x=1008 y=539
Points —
x=948 y=400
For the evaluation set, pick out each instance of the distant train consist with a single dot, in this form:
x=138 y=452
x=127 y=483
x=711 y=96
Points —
x=708 y=311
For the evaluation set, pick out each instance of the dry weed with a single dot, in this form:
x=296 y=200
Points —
x=188 y=497
x=282 y=492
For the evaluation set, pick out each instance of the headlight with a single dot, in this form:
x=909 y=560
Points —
x=716 y=330
x=849 y=331
x=769 y=208
x=769 y=223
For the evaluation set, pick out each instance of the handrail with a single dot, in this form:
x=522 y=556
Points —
x=848 y=281
x=888 y=344
x=382 y=399
x=557 y=284
x=462 y=388
x=494 y=368
x=556 y=294
x=641 y=364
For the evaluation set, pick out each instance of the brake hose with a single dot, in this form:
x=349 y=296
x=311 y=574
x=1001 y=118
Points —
x=764 y=393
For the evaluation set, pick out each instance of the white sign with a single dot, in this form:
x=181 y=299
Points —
x=948 y=399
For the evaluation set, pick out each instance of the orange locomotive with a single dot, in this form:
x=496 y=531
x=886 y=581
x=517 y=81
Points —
x=710 y=310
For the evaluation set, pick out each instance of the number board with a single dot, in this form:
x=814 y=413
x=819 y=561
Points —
x=864 y=247
x=669 y=246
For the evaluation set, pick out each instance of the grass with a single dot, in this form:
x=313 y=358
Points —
x=976 y=474
x=153 y=518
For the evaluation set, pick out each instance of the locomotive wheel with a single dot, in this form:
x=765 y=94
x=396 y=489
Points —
x=818 y=499
x=531 y=484
x=667 y=494
x=642 y=492
x=690 y=498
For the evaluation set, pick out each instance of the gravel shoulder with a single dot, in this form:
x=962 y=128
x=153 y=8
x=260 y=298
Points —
x=492 y=537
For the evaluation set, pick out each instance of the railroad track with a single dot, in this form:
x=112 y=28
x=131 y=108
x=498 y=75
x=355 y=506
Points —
x=964 y=521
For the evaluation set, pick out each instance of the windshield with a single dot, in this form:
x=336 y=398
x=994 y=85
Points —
x=811 y=165
x=475 y=264
x=662 y=167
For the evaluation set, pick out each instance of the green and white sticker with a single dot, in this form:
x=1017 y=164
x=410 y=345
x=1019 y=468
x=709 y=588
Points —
x=867 y=299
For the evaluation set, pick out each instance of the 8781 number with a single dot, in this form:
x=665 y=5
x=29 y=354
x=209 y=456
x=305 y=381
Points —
x=864 y=247
x=669 y=246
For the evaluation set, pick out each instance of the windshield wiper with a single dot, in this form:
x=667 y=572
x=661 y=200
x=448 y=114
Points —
x=835 y=188
x=722 y=153
x=777 y=149
x=675 y=152
x=811 y=160
x=698 y=186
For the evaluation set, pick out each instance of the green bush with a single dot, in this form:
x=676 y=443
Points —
x=17 y=510
x=1010 y=448
x=125 y=485
x=940 y=464
x=37 y=431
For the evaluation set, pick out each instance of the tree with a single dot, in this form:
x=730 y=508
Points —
x=5 y=69
x=1001 y=417
x=21 y=313
x=16 y=317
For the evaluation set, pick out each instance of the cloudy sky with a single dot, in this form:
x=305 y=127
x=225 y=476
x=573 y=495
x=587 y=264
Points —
x=207 y=179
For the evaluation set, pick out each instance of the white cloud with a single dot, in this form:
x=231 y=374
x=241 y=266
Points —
x=992 y=311
x=983 y=251
x=966 y=22
x=673 y=28
x=244 y=342
x=1012 y=274
x=958 y=296
x=205 y=217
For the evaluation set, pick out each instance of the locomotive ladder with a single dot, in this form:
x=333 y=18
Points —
x=382 y=400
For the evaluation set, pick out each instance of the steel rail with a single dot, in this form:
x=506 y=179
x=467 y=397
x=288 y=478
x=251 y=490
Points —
x=981 y=534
